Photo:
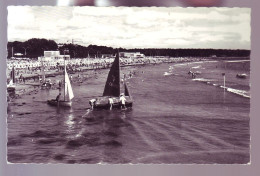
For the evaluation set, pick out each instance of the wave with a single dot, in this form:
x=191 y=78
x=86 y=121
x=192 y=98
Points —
x=203 y=80
x=239 y=61
x=169 y=73
x=166 y=74
x=238 y=92
x=243 y=93
x=198 y=62
x=196 y=67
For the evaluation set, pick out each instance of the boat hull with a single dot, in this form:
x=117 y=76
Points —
x=10 y=89
x=60 y=103
x=46 y=86
x=103 y=103
x=242 y=76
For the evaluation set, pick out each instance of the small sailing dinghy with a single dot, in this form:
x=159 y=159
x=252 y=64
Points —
x=112 y=90
x=68 y=93
x=10 y=85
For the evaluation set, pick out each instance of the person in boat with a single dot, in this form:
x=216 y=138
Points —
x=122 y=101
x=92 y=102
x=58 y=97
x=110 y=101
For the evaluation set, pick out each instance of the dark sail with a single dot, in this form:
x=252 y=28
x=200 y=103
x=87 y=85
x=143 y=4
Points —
x=112 y=87
x=126 y=91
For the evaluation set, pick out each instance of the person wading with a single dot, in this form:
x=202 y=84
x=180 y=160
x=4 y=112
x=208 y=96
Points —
x=122 y=100
x=58 y=97
x=92 y=103
x=110 y=101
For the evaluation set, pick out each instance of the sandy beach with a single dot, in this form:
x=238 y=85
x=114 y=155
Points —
x=27 y=79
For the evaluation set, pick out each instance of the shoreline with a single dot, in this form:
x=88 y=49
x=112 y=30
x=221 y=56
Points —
x=28 y=87
x=94 y=66
x=126 y=62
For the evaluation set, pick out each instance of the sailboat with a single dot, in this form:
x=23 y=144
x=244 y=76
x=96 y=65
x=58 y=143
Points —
x=10 y=85
x=112 y=89
x=68 y=93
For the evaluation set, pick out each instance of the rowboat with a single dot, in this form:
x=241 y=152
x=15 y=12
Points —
x=243 y=76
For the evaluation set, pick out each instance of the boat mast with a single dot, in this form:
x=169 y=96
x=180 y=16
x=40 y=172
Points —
x=64 y=77
x=119 y=70
x=43 y=72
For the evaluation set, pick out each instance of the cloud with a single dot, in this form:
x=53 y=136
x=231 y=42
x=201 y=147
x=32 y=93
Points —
x=133 y=27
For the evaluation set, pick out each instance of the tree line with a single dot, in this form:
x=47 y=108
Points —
x=34 y=48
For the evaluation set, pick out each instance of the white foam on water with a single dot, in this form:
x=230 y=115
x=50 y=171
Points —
x=167 y=74
x=235 y=91
x=202 y=79
x=187 y=63
x=177 y=65
x=239 y=61
x=239 y=92
x=199 y=62
x=196 y=66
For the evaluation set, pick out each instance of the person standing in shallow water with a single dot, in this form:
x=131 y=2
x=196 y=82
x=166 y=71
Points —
x=110 y=101
x=122 y=101
x=92 y=103
x=58 y=97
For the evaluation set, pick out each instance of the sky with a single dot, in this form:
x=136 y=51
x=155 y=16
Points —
x=133 y=27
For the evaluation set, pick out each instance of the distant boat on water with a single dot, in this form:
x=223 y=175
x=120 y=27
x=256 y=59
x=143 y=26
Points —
x=11 y=85
x=242 y=76
x=112 y=89
x=68 y=92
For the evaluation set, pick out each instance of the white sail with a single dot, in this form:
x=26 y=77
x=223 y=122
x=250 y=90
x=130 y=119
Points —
x=68 y=88
x=10 y=83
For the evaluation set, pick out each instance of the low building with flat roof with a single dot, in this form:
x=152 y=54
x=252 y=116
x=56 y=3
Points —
x=131 y=54
x=53 y=56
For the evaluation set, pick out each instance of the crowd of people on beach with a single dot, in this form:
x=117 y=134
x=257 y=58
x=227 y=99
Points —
x=33 y=71
x=37 y=65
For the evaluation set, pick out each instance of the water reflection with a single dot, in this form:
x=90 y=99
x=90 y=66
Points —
x=66 y=118
x=70 y=122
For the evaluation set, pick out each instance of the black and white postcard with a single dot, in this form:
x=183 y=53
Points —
x=128 y=85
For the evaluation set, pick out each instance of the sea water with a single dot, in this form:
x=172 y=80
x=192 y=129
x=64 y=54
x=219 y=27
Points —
x=174 y=119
